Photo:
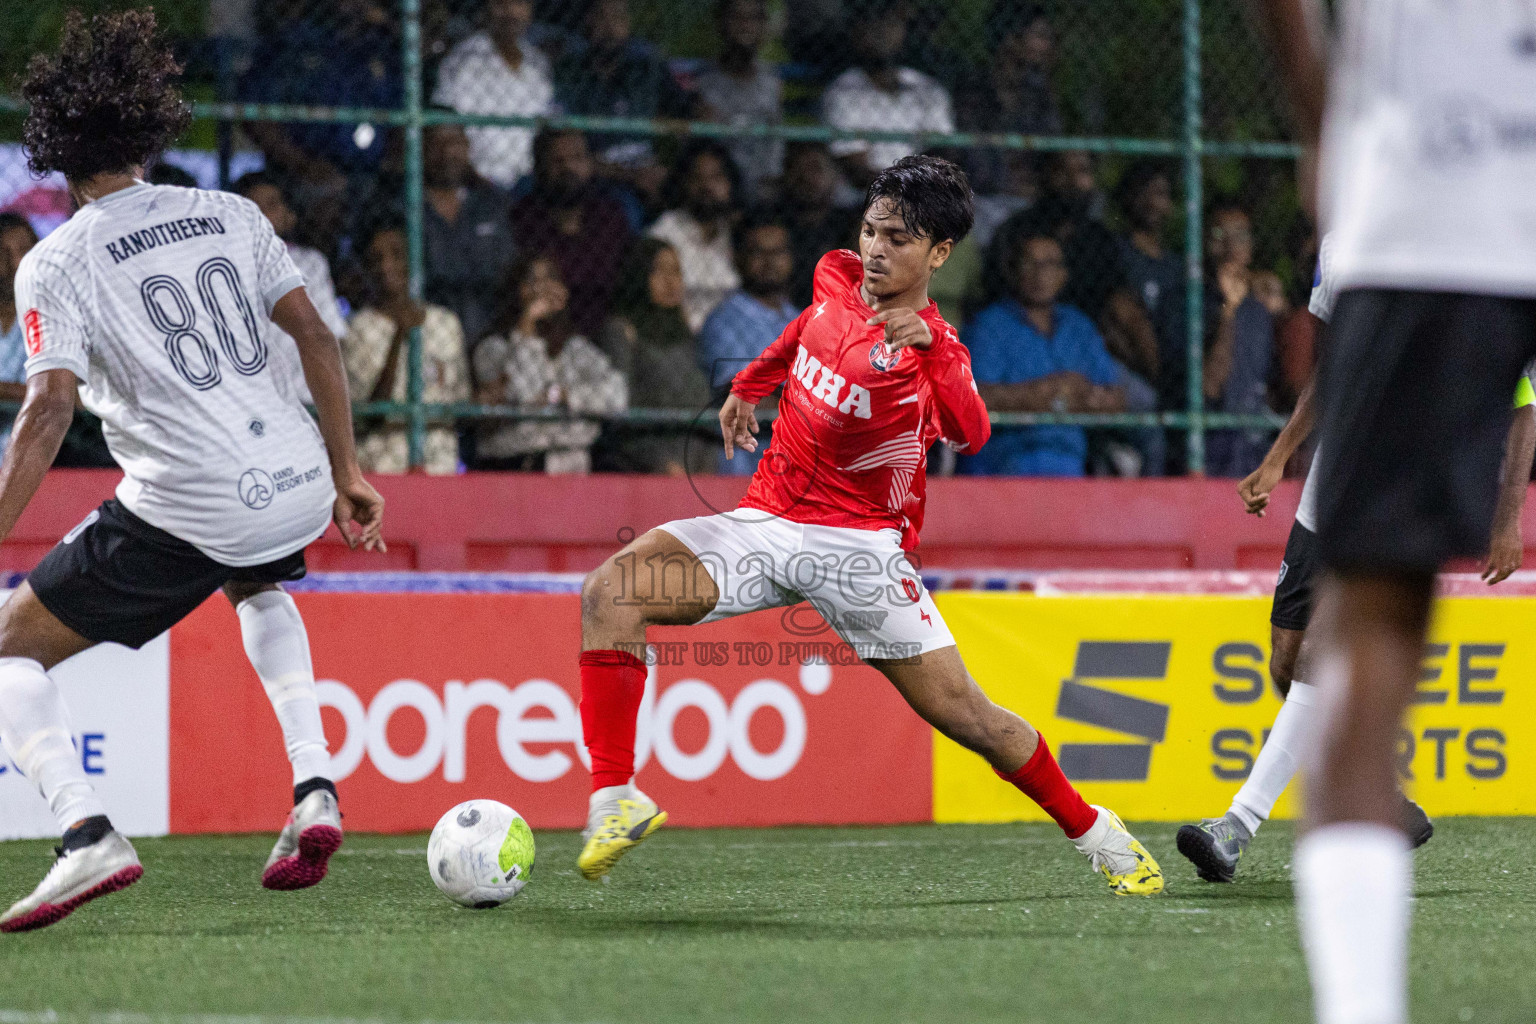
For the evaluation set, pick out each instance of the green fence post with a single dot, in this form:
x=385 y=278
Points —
x=410 y=39
x=1194 y=236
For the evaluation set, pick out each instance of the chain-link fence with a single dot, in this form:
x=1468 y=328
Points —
x=548 y=231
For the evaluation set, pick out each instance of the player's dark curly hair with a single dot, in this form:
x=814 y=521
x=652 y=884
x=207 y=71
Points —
x=105 y=102
x=930 y=193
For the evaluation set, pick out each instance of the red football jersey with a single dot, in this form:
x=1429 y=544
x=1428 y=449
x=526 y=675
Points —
x=850 y=445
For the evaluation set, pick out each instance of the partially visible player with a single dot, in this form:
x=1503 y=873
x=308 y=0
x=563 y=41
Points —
x=1216 y=845
x=1425 y=183
x=872 y=377
x=153 y=303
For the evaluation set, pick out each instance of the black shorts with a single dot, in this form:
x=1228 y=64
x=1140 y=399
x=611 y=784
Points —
x=1292 y=608
x=117 y=578
x=1417 y=390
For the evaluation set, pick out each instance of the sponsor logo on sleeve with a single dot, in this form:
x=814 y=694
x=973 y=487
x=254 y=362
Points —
x=32 y=326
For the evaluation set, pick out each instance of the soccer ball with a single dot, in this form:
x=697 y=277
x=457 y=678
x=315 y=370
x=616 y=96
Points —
x=480 y=854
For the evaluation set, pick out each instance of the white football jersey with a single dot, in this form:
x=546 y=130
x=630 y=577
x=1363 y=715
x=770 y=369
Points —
x=1324 y=291
x=1428 y=178
x=159 y=300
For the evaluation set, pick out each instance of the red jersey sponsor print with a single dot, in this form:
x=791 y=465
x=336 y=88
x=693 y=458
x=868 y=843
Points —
x=850 y=446
x=32 y=325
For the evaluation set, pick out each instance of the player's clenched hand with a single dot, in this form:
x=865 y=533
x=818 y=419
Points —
x=1505 y=552
x=359 y=514
x=738 y=425
x=903 y=329
x=1256 y=487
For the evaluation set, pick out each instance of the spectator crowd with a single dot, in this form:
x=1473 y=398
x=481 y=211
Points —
x=578 y=275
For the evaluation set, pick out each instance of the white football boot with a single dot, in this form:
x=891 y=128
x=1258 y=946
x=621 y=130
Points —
x=76 y=878
x=304 y=848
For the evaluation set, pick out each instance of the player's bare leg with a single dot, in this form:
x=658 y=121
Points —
x=278 y=646
x=937 y=686
x=94 y=859
x=1353 y=871
x=654 y=581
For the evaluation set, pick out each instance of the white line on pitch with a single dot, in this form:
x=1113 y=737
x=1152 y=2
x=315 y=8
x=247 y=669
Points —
x=128 y=1017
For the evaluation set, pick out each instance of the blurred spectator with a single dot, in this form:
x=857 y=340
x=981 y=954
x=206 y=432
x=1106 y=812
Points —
x=609 y=73
x=169 y=174
x=704 y=188
x=536 y=360
x=466 y=231
x=1239 y=345
x=751 y=318
x=344 y=53
x=1031 y=353
x=1096 y=284
x=648 y=339
x=16 y=240
x=496 y=71
x=574 y=219
x=283 y=351
x=374 y=351
x=260 y=189
x=878 y=95
x=1012 y=92
x=739 y=89
x=1155 y=275
x=808 y=205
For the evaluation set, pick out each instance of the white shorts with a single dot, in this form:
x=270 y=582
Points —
x=860 y=581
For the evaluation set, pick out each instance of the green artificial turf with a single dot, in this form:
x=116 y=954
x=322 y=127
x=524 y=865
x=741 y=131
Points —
x=919 y=923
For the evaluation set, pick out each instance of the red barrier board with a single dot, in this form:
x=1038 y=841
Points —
x=431 y=699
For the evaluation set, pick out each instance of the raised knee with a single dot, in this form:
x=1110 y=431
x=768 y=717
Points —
x=600 y=591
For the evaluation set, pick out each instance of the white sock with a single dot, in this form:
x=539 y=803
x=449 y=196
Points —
x=1294 y=730
x=1353 y=880
x=34 y=727
x=278 y=646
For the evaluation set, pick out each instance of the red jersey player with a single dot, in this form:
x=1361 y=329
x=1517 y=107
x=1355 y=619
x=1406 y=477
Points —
x=872 y=377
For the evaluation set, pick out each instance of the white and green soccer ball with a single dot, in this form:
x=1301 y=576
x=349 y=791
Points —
x=481 y=854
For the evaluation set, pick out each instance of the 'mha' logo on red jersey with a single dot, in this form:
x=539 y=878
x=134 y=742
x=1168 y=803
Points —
x=882 y=358
x=32 y=326
x=826 y=385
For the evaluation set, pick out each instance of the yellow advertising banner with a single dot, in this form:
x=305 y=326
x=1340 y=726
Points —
x=1156 y=705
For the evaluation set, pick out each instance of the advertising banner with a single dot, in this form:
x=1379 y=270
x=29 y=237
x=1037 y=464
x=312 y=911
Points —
x=118 y=701
x=1156 y=706
x=429 y=700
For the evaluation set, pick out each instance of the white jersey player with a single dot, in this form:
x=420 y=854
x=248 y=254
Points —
x=154 y=303
x=1425 y=182
x=1216 y=845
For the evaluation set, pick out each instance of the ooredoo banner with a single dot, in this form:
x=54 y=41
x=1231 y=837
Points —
x=429 y=700
x=1157 y=706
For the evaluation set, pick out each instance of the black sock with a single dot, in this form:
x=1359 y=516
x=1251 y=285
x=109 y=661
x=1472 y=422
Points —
x=88 y=833
x=308 y=786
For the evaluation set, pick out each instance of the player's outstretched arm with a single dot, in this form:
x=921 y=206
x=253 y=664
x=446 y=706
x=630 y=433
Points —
x=39 y=430
x=1256 y=486
x=359 y=510
x=1506 y=546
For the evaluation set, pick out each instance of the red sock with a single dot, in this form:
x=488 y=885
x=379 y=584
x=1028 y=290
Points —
x=1042 y=781
x=612 y=685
